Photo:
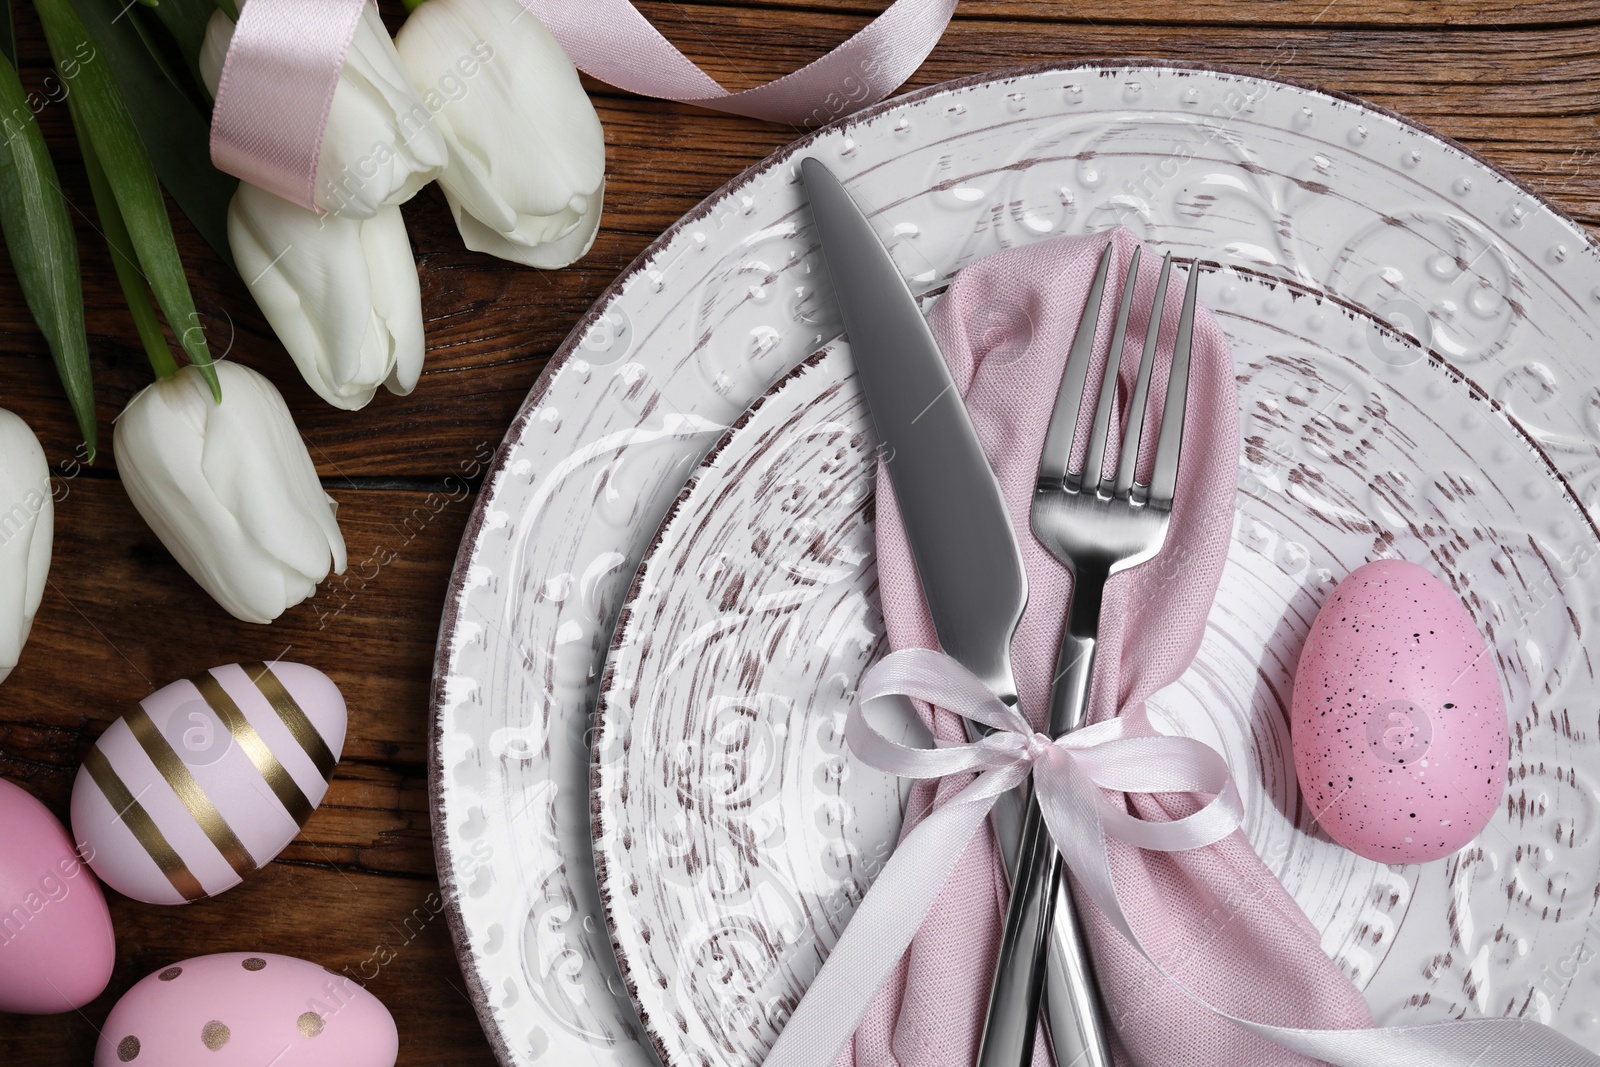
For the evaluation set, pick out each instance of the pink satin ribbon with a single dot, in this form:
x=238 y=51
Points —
x=276 y=89
x=632 y=55
x=1071 y=777
x=283 y=65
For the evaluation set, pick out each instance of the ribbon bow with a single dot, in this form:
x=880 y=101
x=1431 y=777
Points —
x=1071 y=775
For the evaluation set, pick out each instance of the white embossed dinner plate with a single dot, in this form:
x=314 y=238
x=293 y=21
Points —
x=1254 y=174
x=729 y=854
x=734 y=834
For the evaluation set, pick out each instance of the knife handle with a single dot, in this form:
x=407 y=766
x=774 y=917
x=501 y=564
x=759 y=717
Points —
x=1072 y=1009
x=1040 y=923
x=1073 y=1012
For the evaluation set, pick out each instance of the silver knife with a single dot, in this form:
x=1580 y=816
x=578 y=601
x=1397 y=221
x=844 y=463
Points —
x=961 y=537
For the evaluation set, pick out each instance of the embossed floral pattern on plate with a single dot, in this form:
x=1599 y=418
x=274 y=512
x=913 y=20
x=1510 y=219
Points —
x=1257 y=175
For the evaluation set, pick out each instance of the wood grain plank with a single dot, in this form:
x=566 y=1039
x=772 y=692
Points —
x=1516 y=81
x=1338 y=14
x=374 y=819
x=1489 y=72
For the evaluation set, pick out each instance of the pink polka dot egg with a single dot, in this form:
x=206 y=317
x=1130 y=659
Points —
x=1399 y=722
x=246 y=1009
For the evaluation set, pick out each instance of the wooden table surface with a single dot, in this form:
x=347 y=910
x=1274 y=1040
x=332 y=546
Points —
x=1516 y=80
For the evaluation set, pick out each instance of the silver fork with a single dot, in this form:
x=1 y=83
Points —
x=1098 y=523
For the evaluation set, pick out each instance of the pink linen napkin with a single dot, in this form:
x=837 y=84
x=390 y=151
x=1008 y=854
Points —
x=1215 y=917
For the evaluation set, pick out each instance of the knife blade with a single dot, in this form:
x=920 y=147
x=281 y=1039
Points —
x=961 y=537
x=966 y=555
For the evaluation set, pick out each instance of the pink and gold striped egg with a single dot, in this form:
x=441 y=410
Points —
x=207 y=779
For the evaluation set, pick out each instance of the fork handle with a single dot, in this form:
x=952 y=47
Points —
x=1020 y=971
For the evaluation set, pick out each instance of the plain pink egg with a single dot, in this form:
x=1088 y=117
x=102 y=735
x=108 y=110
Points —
x=247 y=1009
x=56 y=942
x=1399 y=722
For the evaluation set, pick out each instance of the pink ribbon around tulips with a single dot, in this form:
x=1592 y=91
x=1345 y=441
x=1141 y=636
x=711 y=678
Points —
x=283 y=65
x=275 y=91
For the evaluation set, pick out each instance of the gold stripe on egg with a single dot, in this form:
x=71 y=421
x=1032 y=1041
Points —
x=277 y=776
x=301 y=727
x=143 y=828
x=188 y=790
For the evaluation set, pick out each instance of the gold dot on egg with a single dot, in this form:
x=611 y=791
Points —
x=254 y=963
x=127 y=1048
x=170 y=973
x=309 y=1023
x=215 y=1034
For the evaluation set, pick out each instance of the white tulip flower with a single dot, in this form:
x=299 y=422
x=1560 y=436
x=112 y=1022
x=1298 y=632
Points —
x=341 y=293
x=380 y=146
x=526 y=175
x=27 y=528
x=230 y=489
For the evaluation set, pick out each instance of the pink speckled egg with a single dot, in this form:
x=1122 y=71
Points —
x=208 y=778
x=1399 y=724
x=247 y=1009
x=56 y=945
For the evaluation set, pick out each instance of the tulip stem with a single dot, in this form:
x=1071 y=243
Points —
x=412 y=5
x=228 y=8
x=134 y=286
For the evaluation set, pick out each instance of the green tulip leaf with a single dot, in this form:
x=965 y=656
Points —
x=175 y=128
x=126 y=263
x=152 y=47
x=103 y=121
x=8 y=34
x=38 y=232
x=186 y=21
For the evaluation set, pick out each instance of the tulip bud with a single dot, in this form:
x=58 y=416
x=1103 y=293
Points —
x=27 y=527
x=230 y=489
x=341 y=293
x=526 y=174
x=380 y=146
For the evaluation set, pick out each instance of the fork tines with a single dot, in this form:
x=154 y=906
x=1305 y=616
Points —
x=1055 y=473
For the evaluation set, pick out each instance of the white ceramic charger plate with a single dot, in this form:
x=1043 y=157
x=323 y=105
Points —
x=1254 y=174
